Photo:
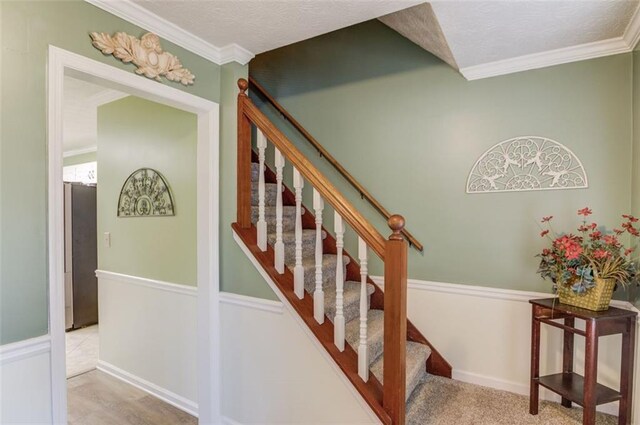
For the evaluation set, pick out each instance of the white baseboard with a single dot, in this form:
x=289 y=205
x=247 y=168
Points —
x=163 y=394
x=228 y=421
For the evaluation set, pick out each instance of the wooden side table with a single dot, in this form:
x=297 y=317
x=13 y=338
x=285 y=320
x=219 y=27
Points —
x=572 y=387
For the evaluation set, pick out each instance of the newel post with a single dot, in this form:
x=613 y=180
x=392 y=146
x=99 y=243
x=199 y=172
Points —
x=244 y=159
x=395 y=322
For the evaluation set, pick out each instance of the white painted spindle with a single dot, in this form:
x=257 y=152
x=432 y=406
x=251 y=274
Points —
x=318 y=295
x=338 y=321
x=262 y=223
x=279 y=245
x=298 y=270
x=363 y=347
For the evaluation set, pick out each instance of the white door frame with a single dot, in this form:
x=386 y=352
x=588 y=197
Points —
x=61 y=63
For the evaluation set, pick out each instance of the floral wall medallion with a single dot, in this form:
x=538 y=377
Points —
x=527 y=163
x=146 y=54
x=145 y=193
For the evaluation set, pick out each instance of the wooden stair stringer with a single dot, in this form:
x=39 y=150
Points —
x=436 y=363
x=347 y=360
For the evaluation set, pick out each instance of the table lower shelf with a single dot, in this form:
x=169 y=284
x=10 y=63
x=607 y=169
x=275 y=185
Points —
x=571 y=387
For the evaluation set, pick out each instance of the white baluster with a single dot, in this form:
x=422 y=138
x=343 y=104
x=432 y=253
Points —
x=338 y=321
x=363 y=347
x=262 y=223
x=318 y=295
x=298 y=270
x=279 y=245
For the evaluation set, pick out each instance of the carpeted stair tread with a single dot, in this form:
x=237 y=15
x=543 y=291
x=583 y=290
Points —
x=255 y=169
x=375 y=333
x=351 y=300
x=270 y=193
x=417 y=355
x=288 y=218
x=289 y=239
x=329 y=263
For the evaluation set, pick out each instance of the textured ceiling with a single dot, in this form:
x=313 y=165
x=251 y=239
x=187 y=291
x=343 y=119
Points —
x=262 y=25
x=479 y=32
x=80 y=116
x=420 y=25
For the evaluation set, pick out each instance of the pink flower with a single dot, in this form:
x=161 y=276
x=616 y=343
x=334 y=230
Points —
x=631 y=218
x=596 y=235
x=547 y=219
x=611 y=240
x=544 y=233
x=601 y=253
x=593 y=226
x=585 y=211
x=629 y=251
x=618 y=231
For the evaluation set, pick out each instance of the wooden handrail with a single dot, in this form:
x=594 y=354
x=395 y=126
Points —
x=329 y=192
x=392 y=251
x=334 y=162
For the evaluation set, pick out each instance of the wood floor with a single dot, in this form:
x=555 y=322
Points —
x=95 y=398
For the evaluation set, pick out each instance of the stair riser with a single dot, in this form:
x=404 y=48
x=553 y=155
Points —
x=270 y=193
x=328 y=277
x=288 y=218
x=308 y=248
x=350 y=311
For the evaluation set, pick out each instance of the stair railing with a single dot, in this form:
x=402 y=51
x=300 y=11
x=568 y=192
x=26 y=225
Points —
x=392 y=251
x=364 y=193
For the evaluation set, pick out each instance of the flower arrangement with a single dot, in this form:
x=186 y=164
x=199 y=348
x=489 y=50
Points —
x=577 y=260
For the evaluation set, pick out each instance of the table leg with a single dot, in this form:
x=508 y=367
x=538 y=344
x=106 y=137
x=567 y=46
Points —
x=590 y=373
x=535 y=364
x=567 y=354
x=626 y=372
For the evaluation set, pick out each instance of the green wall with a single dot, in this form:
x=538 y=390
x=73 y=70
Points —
x=237 y=273
x=79 y=159
x=26 y=30
x=134 y=133
x=410 y=128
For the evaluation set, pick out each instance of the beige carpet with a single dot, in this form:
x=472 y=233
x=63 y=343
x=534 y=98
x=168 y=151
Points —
x=448 y=402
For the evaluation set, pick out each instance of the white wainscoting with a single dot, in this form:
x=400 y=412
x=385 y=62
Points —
x=485 y=333
x=148 y=336
x=25 y=382
x=273 y=372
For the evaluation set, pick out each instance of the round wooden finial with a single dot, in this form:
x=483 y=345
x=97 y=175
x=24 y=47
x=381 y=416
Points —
x=243 y=85
x=396 y=223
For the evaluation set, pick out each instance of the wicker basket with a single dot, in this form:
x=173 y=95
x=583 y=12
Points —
x=597 y=298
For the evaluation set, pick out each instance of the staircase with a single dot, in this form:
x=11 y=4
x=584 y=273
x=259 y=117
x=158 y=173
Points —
x=364 y=329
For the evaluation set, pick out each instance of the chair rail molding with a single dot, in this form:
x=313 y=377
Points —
x=486 y=292
x=21 y=350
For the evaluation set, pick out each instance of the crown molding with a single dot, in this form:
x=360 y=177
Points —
x=138 y=15
x=613 y=46
x=581 y=52
x=632 y=33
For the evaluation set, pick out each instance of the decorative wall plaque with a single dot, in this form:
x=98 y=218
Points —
x=527 y=163
x=146 y=54
x=145 y=193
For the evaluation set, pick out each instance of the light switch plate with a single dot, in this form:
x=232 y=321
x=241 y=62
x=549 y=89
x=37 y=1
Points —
x=107 y=239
